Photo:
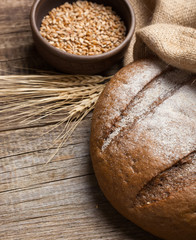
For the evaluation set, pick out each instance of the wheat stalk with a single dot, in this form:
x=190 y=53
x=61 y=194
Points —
x=27 y=99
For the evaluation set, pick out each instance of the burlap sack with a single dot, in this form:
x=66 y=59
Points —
x=165 y=28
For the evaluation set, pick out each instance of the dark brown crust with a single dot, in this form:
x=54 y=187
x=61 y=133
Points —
x=107 y=98
x=151 y=107
x=180 y=175
x=130 y=153
x=131 y=103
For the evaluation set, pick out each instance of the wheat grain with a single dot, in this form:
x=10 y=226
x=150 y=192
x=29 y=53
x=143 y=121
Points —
x=83 y=28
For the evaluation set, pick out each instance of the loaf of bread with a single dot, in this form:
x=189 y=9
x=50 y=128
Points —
x=143 y=147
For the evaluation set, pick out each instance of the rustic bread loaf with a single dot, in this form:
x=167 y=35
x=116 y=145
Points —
x=143 y=147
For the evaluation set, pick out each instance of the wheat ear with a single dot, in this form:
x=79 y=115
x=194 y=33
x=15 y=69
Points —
x=27 y=99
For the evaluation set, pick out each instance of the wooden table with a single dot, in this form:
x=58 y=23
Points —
x=60 y=200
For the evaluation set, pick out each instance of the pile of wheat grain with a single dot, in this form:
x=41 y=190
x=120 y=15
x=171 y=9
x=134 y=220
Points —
x=83 y=28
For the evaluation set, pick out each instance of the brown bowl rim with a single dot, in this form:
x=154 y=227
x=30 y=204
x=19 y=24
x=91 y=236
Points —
x=64 y=54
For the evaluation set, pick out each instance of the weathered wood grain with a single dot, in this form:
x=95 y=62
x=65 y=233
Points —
x=61 y=199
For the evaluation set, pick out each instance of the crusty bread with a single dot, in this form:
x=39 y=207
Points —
x=143 y=147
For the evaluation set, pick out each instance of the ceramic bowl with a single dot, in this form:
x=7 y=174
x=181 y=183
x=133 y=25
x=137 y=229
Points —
x=72 y=63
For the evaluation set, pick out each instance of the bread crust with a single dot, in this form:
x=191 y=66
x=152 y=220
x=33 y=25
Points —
x=143 y=131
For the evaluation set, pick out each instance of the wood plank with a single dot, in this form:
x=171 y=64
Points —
x=17 y=51
x=71 y=212
x=58 y=200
